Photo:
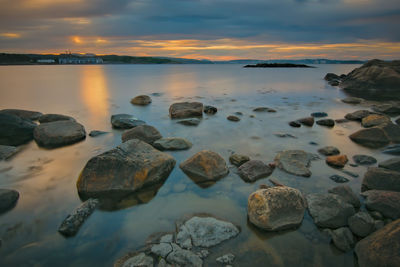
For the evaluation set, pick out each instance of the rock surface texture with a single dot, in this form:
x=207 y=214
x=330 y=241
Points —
x=295 y=162
x=8 y=199
x=145 y=133
x=186 y=110
x=253 y=170
x=141 y=100
x=15 y=131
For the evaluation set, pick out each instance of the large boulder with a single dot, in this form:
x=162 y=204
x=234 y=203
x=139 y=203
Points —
x=125 y=121
x=361 y=224
x=386 y=202
x=391 y=109
x=54 y=117
x=15 y=131
x=23 y=114
x=172 y=143
x=392 y=131
x=141 y=100
x=375 y=79
x=125 y=169
x=358 y=115
x=276 y=208
x=145 y=133
x=7 y=152
x=371 y=137
x=374 y=120
x=295 y=162
x=381 y=248
x=186 y=110
x=253 y=170
x=391 y=164
x=8 y=199
x=59 y=133
x=381 y=179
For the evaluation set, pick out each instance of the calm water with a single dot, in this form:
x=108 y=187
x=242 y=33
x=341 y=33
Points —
x=46 y=179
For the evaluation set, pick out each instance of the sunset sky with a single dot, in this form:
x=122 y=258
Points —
x=204 y=29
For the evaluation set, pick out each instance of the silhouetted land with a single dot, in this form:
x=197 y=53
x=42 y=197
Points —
x=278 y=65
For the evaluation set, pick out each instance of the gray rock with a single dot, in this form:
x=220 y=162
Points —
x=392 y=131
x=371 y=137
x=342 y=238
x=361 y=224
x=357 y=115
x=232 y=118
x=96 y=133
x=329 y=151
x=186 y=110
x=141 y=100
x=59 y=133
x=392 y=150
x=15 y=131
x=168 y=238
x=350 y=173
x=294 y=162
x=210 y=110
x=8 y=199
x=338 y=178
x=352 y=100
x=163 y=263
x=331 y=77
x=140 y=260
x=381 y=179
x=7 y=152
x=329 y=210
x=253 y=170
x=345 y=192
x=125 y=121
x=392 y=109
x=54 y=117
x=378 y=224
x=226 y=259
x=374 y=120
x=386 y=202
x=23 y=114
x=190 y=122
x=364 y=159
x=145 y=133
x=183 y=257
x=264 y=109
x=172 y=143
x=308 y=121
x=183 y=238
x=319 y=114
x=326 y=122
x=295 y=124
x=203 y=253
x=162 y=249
x=391 y=164
x=276 y=208
x=70 y=226
x=238 y=159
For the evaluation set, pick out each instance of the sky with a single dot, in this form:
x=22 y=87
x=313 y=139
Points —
x=204 y=29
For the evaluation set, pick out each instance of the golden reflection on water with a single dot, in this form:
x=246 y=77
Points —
x=181 y=84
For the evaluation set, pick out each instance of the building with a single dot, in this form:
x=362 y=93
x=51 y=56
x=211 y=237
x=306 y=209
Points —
x=80 y=60
x=46 y=61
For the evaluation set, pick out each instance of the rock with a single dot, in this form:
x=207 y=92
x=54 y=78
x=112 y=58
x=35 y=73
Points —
x=145 y=133
x=337 y=161
x=295 y=124
x=226 y=259
x=397 y=121
x=253 y=170
x=345 y=192
x=203 y=253
x=334 y=83
x=190 y=122
x=283 y=135
x=329 y=210
x=232 y=118
x=23 y=114
x=338 y=178
x=378 y=224
x=371 y=137
x=380 y=248
x=392 y=131
x=183 y=257
x=357 y=115
x=205 y=166
x=15 y=131
x=276 y=208
x=329 y=151
x=210 y=110
x=264 y=109
x=374 y=80
x=141 y=100
x=319 y=114
x=139 y=260
x=350 y=173
x=388 y=108
x=376 y=215
x=341 y=120
x=7 y=152
x=374 y=120
x=96 y=133
x=125 y=169
x=308 y=121
x=391 y=164
x=331 y=76
x=172 y=143
x=393 y=150
x=186 y=110
x=364 y=159
x=70 y=226
x=238 y=113
x=125 y=121
x=54 y=117
x=342 y=238
x=326 y=122
x=8 y=199
x=381 y=179
x=361 y=224
x=238 y=159
x=386 y=202
x=59 y=133
x=352 y=100
x=294 y=162
x=162 y=249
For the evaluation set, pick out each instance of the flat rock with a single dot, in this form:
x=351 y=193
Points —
x=386 y=202
x=345 y=192
x=326 y=122
x=141 y=100
x=381 y=179
x=380 y=248
x=264 y=109
x=342 y=238
x=23 y=114
x=329 y=210
x=357 y=115
x=123 y=170
x=374 y=120
x=352 y=100
x=145 y=133
x=391 y=164
x=233 y=118
x=392 y=150
x=338 y=179
x=96 y=133
x=54 y=117
x=186 y=110
x=295 y=124
x=238 y=159
x=276 y=208
x=361 y=224
x=172 y=143
x=319 y=114
x=337 y=161
x=7 y=152
x=308 y=121
x=392 y=109
x=329 y=151
x=371 y=137
x=15 y=131
x=125 y=121
x=364 y=159
x=210 y=110
x=139 y=260
x=8 y=199
x=253 y=170
x=190 y=122
x=295 y=162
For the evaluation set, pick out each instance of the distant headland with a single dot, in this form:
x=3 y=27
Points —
x=278 y=65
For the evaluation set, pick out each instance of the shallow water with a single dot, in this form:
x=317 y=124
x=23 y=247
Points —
x=46 y=179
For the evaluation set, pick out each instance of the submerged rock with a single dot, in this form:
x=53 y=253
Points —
x=352 y=100
x=141 y=100
x=190 y=122
x=295 y=124
x=15 y=131
x=392 y=131
x=186 y=110
x=319 y=114
x=96 y=133
x=54 y=117
x=125 y=121
x=232 y=118
x=381 y=179
x=342 y=238
x=337 y=161
x=23 y=114
x=238 y=159
x=145 y=133
x=345 y=192
x=276 y=208
x=253 y=170
x=329 y=151
x=172 y=143
x=294 y=162
x=392 y=109
x=326 y=122
x=264 y=109
x=308 y=121
x=210 y=110
x=338 y=178
x=364 y=159
x=392 y=150
x=386 y=202
x=358 y=115
x=371 y=137
x=8 y=199
x=374 y=120
x=226 y=259
x=7 y=152
x=391 y=164
x=361 y=224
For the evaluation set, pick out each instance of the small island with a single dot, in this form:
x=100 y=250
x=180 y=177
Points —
x=278 y=65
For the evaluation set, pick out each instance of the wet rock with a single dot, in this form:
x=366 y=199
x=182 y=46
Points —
x=364 y=159
x=397 y=121
x=70 y=226
x=162 y=249
x=329 y=151
x=352 y=100
x=283 y=135
x=139 y=260
x=361 y=224
x=141 y=100
x=392 y=109
x=210 y=110
x=376 y=215
x=319 y=114
x=391 y=164
x=264 y=109
x=59 y=133
x=276 y=208
x=23 y=114
x=253 y=170
x=338 y=178
x=380 y=248
x=342 y=238
x=145 y=133
x=295 y=124
x=392 y=131
x=334 y=83
x=7 y=152
x=392 y=150
x=226 y=259
x=125 y=121
x=8 y=199
x=386 y=202
x=357 y=115
x=183 y=257
x=238 y=159
x=125 y=169
x=172 y=143
x=331 y=76
x=238 y=113
x=205 y=166
x=378 y=224
x=96 y=133
x=374 y=120
x=232 y=118
x=341 y=120
x=54 y=117
x=337 y=161
x=294 y=162
x=370 y=137
x=326 y=122
x=313 y=143
x=345 y=192
x=186 y=110
x=350 y=173
x=381 y=179
x=329 y=210
x=308 y=121
x=15 y=131
x=190 y=122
